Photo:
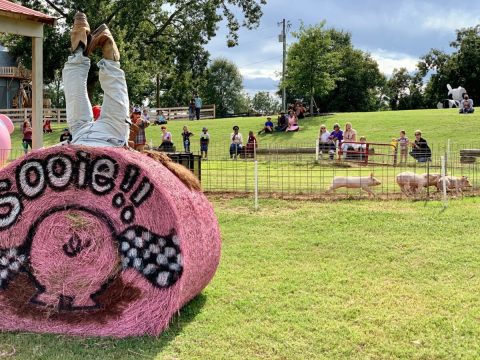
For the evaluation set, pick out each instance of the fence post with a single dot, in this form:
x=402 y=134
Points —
x=25 y=114
x=444 y=183
x=317 y=150
x=255 y=174
x=447 y=157
x=58 y=116
x=214 y=111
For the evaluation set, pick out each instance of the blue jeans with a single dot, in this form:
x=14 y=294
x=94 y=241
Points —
x=112 y=128
x=186 y=145
x=235 y=149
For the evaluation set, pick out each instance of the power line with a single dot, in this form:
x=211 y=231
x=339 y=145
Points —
x=261 y=61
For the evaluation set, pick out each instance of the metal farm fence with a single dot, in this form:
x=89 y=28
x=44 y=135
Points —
x=302 y=170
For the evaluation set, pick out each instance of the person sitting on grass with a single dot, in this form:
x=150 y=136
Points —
x=349 y=137
x=167 y=143
x=336 y=136
x=252 y=144
x=466 y=105
x=325 y=142
x=160 y=118
x=292 y=122
x=204 y=141
x=420 y=149
x=47 y=126
x=236 y=143
x=66 y=136
x=282 y=122
x=268 y=127
x=361 y=148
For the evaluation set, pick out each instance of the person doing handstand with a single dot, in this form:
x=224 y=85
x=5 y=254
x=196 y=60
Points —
x=112 y=127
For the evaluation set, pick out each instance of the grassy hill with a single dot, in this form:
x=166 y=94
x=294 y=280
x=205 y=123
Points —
x=437 y=126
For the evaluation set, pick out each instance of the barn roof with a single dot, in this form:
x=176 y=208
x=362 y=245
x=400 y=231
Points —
x=16 y=11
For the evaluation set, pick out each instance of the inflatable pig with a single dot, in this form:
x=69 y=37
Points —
x=6 y=129
x=101 y=242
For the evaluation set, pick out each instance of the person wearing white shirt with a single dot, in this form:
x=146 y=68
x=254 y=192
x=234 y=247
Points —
x=236 y=143
x=324 y=142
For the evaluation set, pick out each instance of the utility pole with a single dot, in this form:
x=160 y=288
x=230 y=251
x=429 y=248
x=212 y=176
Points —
x=158 y=91
x=284 y=38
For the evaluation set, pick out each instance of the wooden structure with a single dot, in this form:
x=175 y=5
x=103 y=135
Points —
x=19 y=20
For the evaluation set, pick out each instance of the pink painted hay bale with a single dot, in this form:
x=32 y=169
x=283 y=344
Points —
x=100 y=242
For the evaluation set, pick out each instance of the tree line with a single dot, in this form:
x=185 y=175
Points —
x=164 y=57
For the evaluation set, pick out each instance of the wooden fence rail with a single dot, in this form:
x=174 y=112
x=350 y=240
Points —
x=60 y=115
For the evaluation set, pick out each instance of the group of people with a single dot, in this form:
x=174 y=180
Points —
x=27 y=133
x=141 y=120
x=237 y=148
x=346 y=141
x=285 y=123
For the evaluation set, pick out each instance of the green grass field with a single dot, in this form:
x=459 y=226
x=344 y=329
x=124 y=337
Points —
x=314 y=280
x=307 y=280
x=437 y=126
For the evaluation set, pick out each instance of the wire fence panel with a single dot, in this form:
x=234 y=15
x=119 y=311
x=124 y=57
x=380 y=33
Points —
x=292 y=169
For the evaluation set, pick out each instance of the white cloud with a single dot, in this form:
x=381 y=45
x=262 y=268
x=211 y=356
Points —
x=264 y=72
x=450 y=20
x=387 y=61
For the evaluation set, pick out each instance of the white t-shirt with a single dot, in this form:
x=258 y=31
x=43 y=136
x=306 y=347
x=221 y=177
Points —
x=324 y=137
x=236 y=139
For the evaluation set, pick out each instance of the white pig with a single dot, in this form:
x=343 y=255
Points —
x=454 y=183
x=354 y=182
x=411 y=183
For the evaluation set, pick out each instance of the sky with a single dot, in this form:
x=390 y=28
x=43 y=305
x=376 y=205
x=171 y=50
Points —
x=395 y=32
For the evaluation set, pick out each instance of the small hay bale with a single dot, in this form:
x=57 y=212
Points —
x=101 y=242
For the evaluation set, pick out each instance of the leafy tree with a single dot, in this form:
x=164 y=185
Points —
x=313 y=64
x=224 y=87
x=165 y=37
x=323 y=65
x=405 y=91
x=461 y=68
x=263 y=102
x=358 y=88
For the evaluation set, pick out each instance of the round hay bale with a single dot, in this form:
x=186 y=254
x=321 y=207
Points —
x=101 y=242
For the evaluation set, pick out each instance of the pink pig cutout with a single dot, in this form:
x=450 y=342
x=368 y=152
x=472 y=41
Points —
x=6 y=129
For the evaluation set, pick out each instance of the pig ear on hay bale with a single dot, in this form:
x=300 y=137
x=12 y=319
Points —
x=178 y=170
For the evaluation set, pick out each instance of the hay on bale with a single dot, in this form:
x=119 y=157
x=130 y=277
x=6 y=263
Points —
x=101 y=242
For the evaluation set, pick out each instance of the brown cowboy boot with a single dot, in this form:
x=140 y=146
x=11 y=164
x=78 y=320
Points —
x=80 y=31
x=102 y=37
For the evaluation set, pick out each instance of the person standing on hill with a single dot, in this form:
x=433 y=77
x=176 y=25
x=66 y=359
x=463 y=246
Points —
x=191 y=110
x=204 y=141
x=198 y=105
x=186 y=134
x=27 y=134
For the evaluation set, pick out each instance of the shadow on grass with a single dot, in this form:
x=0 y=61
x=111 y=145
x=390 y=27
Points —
x=149 y=347
x=49 y=346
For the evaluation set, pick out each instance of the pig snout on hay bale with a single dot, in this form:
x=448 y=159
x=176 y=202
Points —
x=354 y=182
x=101 y=242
